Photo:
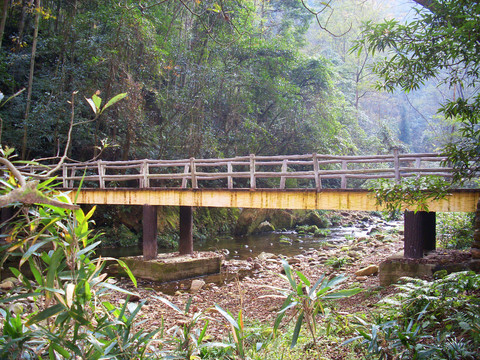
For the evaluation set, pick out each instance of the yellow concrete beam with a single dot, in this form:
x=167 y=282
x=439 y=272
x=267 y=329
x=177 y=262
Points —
x=459 y=200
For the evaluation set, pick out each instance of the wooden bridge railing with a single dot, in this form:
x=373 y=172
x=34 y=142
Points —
x=253 y=172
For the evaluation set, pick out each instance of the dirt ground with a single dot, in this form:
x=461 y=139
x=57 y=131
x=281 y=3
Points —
x=250 y=284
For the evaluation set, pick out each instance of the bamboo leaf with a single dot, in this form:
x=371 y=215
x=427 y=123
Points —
x=288 y=273
x=31 y=250
x=227 y=316
x=116 y=288
x=303 y=278
x=127 y=270
x=296 y=331
x=45 y=314
x=168 y=303
x=69 y=292
x=342 y=294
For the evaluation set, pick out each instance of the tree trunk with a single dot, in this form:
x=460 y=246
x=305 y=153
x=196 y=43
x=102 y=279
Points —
x=476 y=234
x=4 y=20
x=30 y=79
x=21 y=26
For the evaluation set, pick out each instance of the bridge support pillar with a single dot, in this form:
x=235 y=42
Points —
x=185 y=246
x=149 y=223
x=420 y=233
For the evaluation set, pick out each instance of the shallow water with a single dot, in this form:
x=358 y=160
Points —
x=287 y=243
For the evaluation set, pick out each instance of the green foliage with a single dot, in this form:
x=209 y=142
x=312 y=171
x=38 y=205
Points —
x=413 y=193
x=119 y=235
x=455 y=230
x=307 y=300
x=337 y=262
x=71 y=313
x=226 y=84
x=187 y=338
x=427 y=319
x=438 y=43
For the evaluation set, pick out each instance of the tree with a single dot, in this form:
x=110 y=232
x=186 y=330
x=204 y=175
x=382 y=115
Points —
x=441 y=42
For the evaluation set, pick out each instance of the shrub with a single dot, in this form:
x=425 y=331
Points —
x=455 y=230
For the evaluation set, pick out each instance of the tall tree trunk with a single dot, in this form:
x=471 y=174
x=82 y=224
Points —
x=4 y=20
x=30 y=79
x=21 y=26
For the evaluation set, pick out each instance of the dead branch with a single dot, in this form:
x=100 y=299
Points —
x=28 y=192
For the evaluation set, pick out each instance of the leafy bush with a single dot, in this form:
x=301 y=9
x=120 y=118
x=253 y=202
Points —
x=119 y=235
x=308 y=300
x=337 y=262
x=413 y=193
x=427 y=319
x=455 y=230
x=68 y=293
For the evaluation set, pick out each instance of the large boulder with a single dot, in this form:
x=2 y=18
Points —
x=264 y=227
x=314 y=218
x=250 y=220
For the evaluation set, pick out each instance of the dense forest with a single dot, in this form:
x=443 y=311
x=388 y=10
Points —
x=203 y=78
x=132 y=79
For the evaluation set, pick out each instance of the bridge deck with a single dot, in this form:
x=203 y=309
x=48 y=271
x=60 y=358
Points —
x=327 y=199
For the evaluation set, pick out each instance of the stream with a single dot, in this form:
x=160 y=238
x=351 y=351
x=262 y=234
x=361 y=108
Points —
x=288 y=243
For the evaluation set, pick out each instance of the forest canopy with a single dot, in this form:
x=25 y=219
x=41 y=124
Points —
x=208 y=79
x=202 y=80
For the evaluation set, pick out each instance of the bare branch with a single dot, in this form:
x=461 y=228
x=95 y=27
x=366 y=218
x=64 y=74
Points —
x=28 y=193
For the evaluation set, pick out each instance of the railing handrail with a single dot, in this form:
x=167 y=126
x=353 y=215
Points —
x=150 y=173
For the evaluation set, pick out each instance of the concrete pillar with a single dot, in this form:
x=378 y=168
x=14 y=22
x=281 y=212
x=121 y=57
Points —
x=429 y=226
x=149 y=223
x=185 y=246
x=420 y=233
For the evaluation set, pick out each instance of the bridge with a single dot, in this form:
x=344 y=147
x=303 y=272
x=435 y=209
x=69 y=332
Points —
x=311 y=181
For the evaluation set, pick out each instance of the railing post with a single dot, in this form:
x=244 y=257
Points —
x=193 y=170
x=145 y=182
x=396 y=164
x=284 y=170
x=229 y=178
x=253 y=183
x=64 y=175
x=101 y=170
x=186 y=170
x=72 y=175
x=343 y=184
x=318 y=181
